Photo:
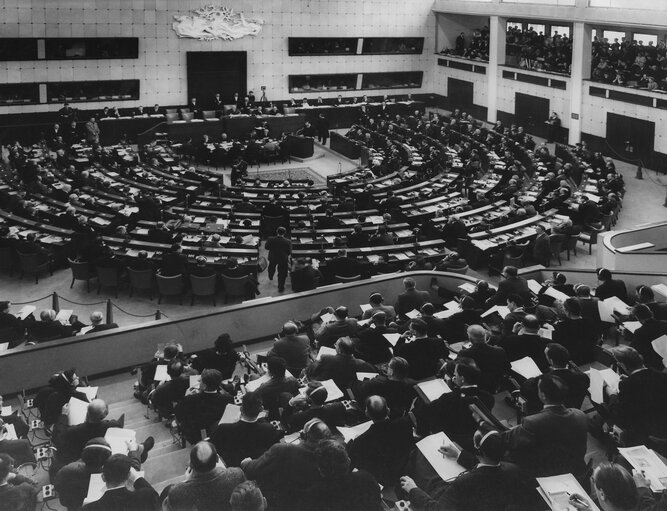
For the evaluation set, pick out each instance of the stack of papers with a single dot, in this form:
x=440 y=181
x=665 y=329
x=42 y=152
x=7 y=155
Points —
x=333 y=392
x=413 y=314
x=26 y=311
x=7 y=410
x=392 y=338
x=556 y=491
x=660 y=346
x=502 y=311
x=643 y=459
x=161 y=373
x=352 y=433
x=433 y=389
x=118 y=438
x=90 y=392
x=232 y=414
x=526 y=367
x=324 y=350
x=631 y=326
x=598 y=380
x=360 y=376
x=77 y=411
x=447 y=468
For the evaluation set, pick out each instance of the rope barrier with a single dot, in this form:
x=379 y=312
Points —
x=33 y=301
x=134 y=315
x=82 y=304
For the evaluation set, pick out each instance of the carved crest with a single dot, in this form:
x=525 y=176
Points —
x=212 y=22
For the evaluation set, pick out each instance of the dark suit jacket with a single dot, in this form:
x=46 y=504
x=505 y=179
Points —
x=612 y=288
x=356 y=491
x=399 y=394
x=295 y=349
x=649 y=331
x=373 y=347
x=73 y=439
x=173 y=264
x=341 y=369
x=279 y=248
x=369 y=451
x=579 y=336
x=510 y=286
x=102 y=328
x=332 y=414
x=518 y=346
x=239 y=440
x=577 y=383
x=492 y=362
x=202 y=410
x=422 y=356
x=411 y=299
x=143 y=498
x=20 y=450
x=456 y=324
x=550 y=442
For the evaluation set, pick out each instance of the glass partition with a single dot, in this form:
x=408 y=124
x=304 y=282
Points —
x=322 y=83
x=395 y=80
x=19 y=93
x=116 y=90
x=322 y=45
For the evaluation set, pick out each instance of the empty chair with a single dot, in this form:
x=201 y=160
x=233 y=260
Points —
x=34 y=264
x=80 y=271
x=517 y=261
x=141 y=280
x=187 y=116
x=236 y=286
x=556 y=248
x=463 y=270
x=170 y=286
x=590 y=237
x=171 y=111
x=107 y=277
x=208 y=114
x=171 y=117
x=203 y=286
x=606 y=221
x=571 y=244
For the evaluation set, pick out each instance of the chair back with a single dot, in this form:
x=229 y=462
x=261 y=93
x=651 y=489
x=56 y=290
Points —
x=461 y=271
x=517 y=262
x=235 y=286
x=606 y=221
x=6 y=259
x=288 y=110
x=140 y=279
x=187 y=116
x=208 y=114
x=170 y=286
x=107 y=277
x=229 y=109
x=203 y=286
x=171 y=111
x=340 y=278
x=80 y=270
x=171 y=117
x=571 y=242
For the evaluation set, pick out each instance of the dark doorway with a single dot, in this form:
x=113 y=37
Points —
x=210 y=72
x=627 y=132
x=459 y=93
x=531 y=112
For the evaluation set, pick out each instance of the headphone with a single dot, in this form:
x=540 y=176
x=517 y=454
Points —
x=307 y=427
x=477 y=445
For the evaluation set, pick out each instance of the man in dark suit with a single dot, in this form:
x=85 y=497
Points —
x=96 y=320
x=286 y=489
x=425 y=354
x=412 y=298
x=279 y=388
x=294 y=348
x=638 y=407
x=280 y=249
x=160 y=234
x=609 y=287
x=552 y=441
x=396 y=387
x=328 y=333
x=249 y=437
x=524 y=341
x=343 y=367
x=118 y=474
x=47 y=328
x=650 y=330
x=491 y=360
x=174 y=262
x=372 y=346
x=588 y=303
x=328 y=221
x=488 y=483
x=313 y=405
x=511 y=284
x=541 y=246
x=434 y=326
x=202 y=409
x=369 y=450
x=343 y=265
x=577 y=334
x=357 y=238
x=450 y=412
x=576 y=381
x=456 y=325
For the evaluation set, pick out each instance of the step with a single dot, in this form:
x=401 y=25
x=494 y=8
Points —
x=155 y=429
x=166 y=466
x=159 y=487
x=164 y=448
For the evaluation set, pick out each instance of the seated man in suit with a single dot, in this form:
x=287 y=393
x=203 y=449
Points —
x=276 y=392
x=313 y=405
x=424 y=354
x=118 y=476
x=435 y=327
x=517 y=313
x=171 y=391
x=47 y=328
x=450 y=412
x=372 y=346
x=411 y=298
x=357 y=238
x=552 y=441
x=638 y=407
x=20 y=450
x=645 y=296
x=249 y=437
x=343 y=265
x=576 y=381
x=489 y=483
x=174 y=262
x=294 y=348
x=397 y=389
x=577 y=334
x=342 y=367
x=96 y=320
x=650 y=330
x=369 y=450
x=525 y=341
x=376 y=301
x=588 y=304
x=328 y=221
x=17 y=492
x=511 y=284
x=491 y=360
x=609 y=287
x=222 y=357
x=328 y=333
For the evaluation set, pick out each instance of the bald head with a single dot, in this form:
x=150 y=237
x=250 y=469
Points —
x=376 y=408
x=203 y=457
x=476 y=334
x=97 y=411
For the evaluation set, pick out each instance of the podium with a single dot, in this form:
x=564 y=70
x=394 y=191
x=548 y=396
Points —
x=301 y=147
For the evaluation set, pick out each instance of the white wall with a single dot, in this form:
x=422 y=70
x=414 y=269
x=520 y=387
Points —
x=161 y=65
x=480 y=81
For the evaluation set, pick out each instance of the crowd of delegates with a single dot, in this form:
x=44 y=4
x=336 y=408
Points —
x=321 y=469
x=629 y=63
x=535 y=51
x=476 y=49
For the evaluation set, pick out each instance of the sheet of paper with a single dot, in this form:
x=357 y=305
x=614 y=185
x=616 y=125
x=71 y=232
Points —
x=365 y=307
x=611 y=378
x=4 y=346
x=77 y=411
x=555 y=294
x=557 y=490
x=453 y=305
x=326 y=318
x=413 y=314
x=350 y=434
x=7 y=410
x=90 y=392
x=606 y=312
x=468 y=287
x=643 y=459
x=360 y=376
x=445 y=313
x=161 y=373
x=253 y=385
x=11 y=432
x=534 y=286
x=231 y=415
x=447 y=468
x=118 y=438
x=660 y=346
x=26 y=311
x=324 y=350
x=333 y=392
x=392 y=338
x=195 y=381
x=631 y=326
x=64 y=315
x=618 y=305
x=85 y=330
x=96 y=488
x=502 y=311
x=660 y=289
x=526 y=367
x=433 y=389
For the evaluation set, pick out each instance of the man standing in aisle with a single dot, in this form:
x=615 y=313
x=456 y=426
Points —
x=92 y=131
x=279 y=249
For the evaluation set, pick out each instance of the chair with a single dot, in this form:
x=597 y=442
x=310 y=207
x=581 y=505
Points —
x=462 y=271
x=80 y=271
x=340 y=278
x=269 y=224
x=208 y=114
x=517 y=261
x=171 y=117
x=590 y=237
x=141 y=280
x=571 y=244
x=107 y=277
x=7 y=260
x=171 y=111
x=187 y=116
x=556 y=249
x=30 y=264
x=606 y=221
x=170 y=286
x=203 y=286
x=236 y=286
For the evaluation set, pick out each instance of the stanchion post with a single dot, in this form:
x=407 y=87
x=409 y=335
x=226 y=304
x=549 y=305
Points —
x=55 y=303
x=158 y=314
x=109 y=312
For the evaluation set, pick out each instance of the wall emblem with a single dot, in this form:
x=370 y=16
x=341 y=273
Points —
x=211 y=22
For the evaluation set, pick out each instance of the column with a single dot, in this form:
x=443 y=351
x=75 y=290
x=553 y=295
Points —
x=582 y=35
x=497 y=28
